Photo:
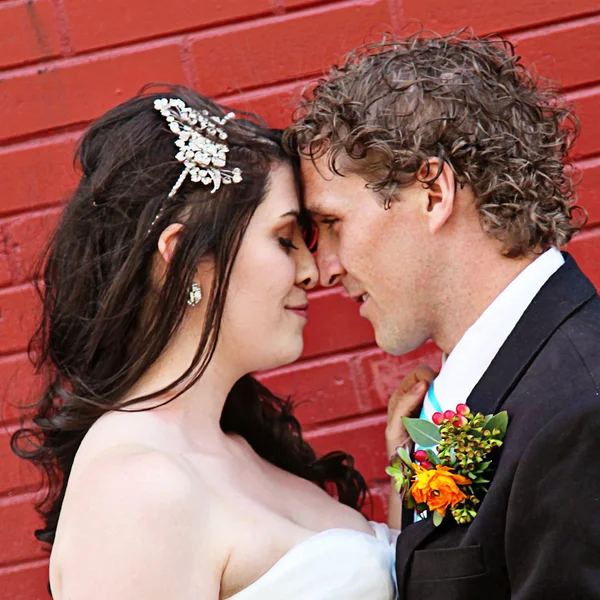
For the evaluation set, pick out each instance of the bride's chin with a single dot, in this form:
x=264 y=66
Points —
x=288 y=355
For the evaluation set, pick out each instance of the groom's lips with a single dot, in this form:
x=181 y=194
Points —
x=357 y=297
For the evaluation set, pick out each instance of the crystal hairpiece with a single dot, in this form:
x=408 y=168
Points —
x=204 y=157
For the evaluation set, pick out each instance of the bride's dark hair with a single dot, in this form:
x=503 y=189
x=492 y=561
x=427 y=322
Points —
x=103 y=325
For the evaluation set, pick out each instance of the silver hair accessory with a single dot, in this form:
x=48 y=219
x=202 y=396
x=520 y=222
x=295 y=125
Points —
x=194 y=295
x=204 y=158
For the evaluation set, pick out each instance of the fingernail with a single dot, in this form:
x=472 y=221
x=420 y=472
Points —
x=419 y=387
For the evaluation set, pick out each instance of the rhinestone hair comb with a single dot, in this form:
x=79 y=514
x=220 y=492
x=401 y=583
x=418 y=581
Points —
x=204 y=158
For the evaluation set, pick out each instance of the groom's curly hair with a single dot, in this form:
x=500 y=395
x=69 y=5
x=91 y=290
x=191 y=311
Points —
x=468 y=101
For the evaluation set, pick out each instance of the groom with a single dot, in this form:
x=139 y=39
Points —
x=433 y=168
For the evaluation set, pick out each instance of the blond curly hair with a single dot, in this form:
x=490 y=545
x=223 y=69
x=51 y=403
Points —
x=468 y=101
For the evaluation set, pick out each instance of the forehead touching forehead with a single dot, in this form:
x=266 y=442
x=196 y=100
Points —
x=282 y=195
x=326 y=192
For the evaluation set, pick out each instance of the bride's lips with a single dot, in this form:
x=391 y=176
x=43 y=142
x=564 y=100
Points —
x=301 y=310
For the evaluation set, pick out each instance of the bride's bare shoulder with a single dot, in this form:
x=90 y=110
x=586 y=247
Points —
x=133 y=507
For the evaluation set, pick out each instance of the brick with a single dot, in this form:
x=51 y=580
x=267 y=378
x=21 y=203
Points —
x=589 y=190
x=323 y=390
x=79 y=90
x=275 y=105
x=585 y=248
x=334 y=324
x=19 y=310
x=18 y=521
x=40 y=174
x=379 y=374
x=29 y=32
x=284 y=47
x=109 y=22
x=25 y=582
x=18 y=386
x=376 y=509
x=492 y=17
x=296 y=3
x=558 y=52
x=17 y=474
x=587 y=108
x=364 y=439
x=6 y=275
x=26 y=238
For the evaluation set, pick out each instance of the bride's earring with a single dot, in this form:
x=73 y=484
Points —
x=194 y=295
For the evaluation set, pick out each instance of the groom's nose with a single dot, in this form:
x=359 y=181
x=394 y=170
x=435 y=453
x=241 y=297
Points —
x=331 y=270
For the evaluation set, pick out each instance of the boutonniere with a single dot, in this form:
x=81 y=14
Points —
x=453 y=469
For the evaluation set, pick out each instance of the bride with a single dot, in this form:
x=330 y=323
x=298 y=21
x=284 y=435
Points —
x=179 y=267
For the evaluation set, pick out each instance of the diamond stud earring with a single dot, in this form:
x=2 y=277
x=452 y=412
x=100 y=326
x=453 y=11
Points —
x=194 y=295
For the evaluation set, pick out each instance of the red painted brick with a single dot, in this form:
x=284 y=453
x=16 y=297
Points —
x=27 y=236
x=334 y=324
x=380 y=373
x=275 y=105
x=108 y=22
x=364 y=439
x=18 y=521
x=585 y=248
x=587 y=108
x=323 y=390
x=19 y=310
x=377 y=508
x=25 y=582
x=589 y=190
x=563 y=52
x=80 y=90
x=28 y=31
x=284 y=47
x=40 y=174
x=18 y=386
x=17 y=474
x=6 y=275
x=492 y=17
x=297 y=3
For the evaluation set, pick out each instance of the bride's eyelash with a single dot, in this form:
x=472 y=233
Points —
x=287 y=244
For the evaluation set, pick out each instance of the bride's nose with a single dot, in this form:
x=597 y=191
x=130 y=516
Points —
x=307 y=275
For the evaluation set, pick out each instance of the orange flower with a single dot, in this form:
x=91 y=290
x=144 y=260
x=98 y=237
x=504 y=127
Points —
x=438 y=488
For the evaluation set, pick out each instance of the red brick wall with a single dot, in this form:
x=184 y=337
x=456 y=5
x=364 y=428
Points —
x=64 y=62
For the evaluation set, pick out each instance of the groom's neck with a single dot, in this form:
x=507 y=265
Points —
x=469 y=286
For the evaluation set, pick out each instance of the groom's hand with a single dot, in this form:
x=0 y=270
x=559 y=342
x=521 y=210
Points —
x=406 y=401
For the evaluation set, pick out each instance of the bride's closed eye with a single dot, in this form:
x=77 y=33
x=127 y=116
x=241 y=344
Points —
x=287 y=244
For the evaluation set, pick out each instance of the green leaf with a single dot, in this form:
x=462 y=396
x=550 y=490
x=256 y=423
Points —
x=423 y=433
x=437 y=518
x=433 y=457
x=499 y=421
x=405 y=456
x=393 y=472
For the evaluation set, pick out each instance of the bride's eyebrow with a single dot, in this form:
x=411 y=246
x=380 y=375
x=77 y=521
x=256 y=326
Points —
x=291 y=213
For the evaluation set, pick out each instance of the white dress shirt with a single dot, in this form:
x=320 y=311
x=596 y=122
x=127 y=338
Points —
x=466 y=364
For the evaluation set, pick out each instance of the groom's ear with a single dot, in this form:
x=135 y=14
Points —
x=440 y=193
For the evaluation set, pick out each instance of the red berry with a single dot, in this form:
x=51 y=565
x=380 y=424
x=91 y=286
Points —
x=427 y=465
x=437 y=418
x=459 y=421
x=463 y=409
x=449 y=414
x=421 y=455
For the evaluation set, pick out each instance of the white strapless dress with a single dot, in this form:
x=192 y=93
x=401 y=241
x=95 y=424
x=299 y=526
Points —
x=336 y=564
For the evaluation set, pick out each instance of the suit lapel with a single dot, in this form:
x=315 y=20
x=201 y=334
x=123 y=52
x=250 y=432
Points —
x=563 y=294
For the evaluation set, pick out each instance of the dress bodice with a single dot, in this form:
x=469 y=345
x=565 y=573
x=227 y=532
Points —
x=336 y=564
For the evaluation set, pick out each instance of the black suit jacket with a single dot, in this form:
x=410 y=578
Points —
x=537 y=532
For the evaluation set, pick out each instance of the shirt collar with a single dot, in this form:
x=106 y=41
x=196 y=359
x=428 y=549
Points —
x=471 y=357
